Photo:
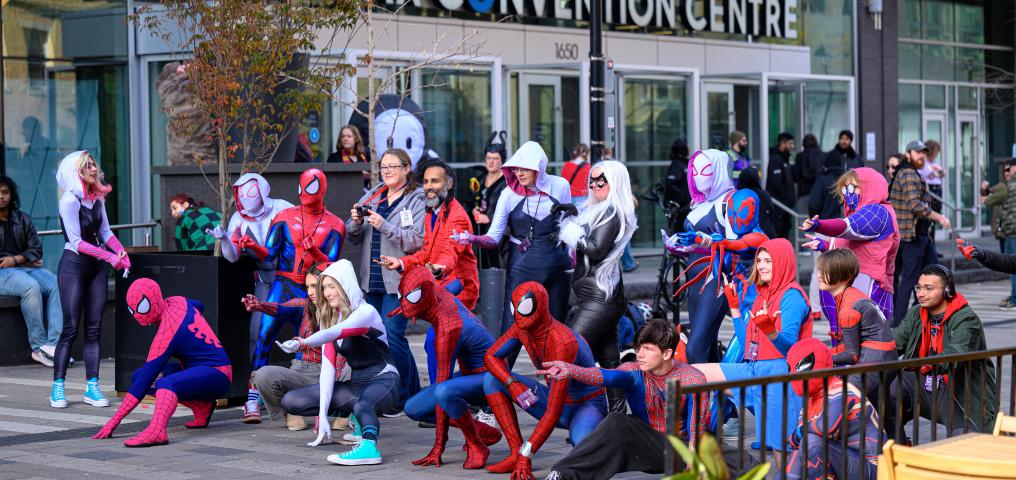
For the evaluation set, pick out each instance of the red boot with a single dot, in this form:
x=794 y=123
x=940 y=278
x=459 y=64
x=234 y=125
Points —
x=155 y=433
x=488 y=435
x=202 y=410
x=476 y=451
x=504 y=410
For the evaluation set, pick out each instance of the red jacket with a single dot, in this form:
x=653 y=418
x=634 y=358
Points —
x=440 y=249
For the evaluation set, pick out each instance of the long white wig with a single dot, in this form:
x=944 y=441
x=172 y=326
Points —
x=620 y=203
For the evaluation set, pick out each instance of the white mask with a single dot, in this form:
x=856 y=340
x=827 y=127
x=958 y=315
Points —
x=702 y=173
x=250 y=197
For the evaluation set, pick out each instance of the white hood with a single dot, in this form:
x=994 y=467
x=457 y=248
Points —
x=263 y=188
x=532 y=157
x=67 y=176
x=342 y=272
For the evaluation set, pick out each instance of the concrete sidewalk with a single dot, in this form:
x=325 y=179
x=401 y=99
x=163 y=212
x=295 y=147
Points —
x=37 y=441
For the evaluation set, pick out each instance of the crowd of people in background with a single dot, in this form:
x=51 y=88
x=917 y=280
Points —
x=563 y=242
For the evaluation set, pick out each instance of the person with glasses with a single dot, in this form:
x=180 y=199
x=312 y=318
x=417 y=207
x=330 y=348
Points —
x=388 y=221
x=962 y=398
x=598 y=236
x=82 y=274
x=524 y=212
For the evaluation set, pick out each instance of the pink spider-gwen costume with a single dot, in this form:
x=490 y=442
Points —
x=202 y=375
x=869 y=230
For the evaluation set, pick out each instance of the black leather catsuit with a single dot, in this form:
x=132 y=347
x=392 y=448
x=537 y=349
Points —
x=596 y=316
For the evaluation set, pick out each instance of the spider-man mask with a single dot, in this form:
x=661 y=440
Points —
x=701 y=169
x=851 y=197
x=248 y=196
x=531 y=306
x=805 y=356
x=417 y=292
x=313 y=185
x=742 y=211
x=144 y=301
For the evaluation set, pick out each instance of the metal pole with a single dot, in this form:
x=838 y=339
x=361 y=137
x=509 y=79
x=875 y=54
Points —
x=596 y=74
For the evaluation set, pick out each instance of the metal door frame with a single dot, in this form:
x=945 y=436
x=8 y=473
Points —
x=526 y=80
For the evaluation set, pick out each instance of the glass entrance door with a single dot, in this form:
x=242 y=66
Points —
x=719 y=119
x=966 y=171
x=786 y=110
x=540 y=113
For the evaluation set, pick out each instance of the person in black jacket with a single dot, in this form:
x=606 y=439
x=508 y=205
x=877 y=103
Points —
x=22 y=275
x=749 y=179
x=676 y=185
x=844 y=151
x=999 y=262
x=807 y=168
x=823 y=200
x=780 y=183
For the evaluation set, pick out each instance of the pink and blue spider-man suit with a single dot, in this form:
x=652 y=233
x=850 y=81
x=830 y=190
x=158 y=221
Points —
x=202 y=374
x=299 y=237
x=869 y=230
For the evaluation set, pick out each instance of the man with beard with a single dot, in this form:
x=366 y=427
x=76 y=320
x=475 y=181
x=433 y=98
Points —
x=844 y=151
x=453 y=264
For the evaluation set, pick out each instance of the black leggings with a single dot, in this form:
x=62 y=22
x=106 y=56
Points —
x=597 y=321
x=83 y=289
x=364 y=398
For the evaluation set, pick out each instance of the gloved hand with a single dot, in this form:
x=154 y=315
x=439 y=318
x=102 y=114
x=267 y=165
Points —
x=555 y=370
x=969 y=250
x=730 y=291
x=568 y=209
x=291 y=346
x=523 y=469
x=766 y=323
x=462 y=238
x=522 y=395
x=810 y=224
x=217 y=233
x=815 y=244
x=432 y=458
x=324 y=432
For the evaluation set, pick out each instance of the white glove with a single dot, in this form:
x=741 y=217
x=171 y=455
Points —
x=324 y=430
x=462 y=238
x=216 y=232
x=290 y=346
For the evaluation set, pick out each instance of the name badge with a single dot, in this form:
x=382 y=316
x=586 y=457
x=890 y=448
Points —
x=406 y=218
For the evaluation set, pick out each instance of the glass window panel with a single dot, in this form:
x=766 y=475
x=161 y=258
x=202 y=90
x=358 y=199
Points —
x=655 y=114
x=938 y=20
x=827 y=27
x=513 y=108
x=969 y=23
x=965 y=170
x=456 y=105
x=934 y=96
x=966 y=98
x=910 y=114
x=909 y=18
x=970 y=65
x=937 y=62
x=570 y=114
x=718 y=104
x=826 y=111
x=909 y=60
x=651 y=218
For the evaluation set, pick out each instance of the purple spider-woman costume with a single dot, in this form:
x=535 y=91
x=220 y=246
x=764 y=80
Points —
x=870 y=231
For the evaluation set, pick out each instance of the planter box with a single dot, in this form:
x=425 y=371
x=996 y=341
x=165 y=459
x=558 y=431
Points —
x=213 y=281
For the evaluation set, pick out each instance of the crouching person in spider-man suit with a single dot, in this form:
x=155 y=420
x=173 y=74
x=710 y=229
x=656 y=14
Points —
x=456 y=335
x=561 y=403
x=202 y=375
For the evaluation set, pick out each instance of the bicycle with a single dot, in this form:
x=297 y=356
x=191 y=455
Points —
x=671 y=266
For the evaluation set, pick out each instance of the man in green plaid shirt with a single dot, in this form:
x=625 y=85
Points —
x=909 y=197
x=191 y=221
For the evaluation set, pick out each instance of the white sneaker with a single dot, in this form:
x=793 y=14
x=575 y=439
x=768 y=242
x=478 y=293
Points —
x=487 y=418
x=41 y=357
x=49 y=350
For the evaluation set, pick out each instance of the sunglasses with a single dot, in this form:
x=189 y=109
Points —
x=598 y=181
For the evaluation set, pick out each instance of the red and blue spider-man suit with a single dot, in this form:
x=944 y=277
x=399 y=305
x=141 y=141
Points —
x=455 y=335
x=299 y=237
x=829 y=421
x=202 y=375
x=572 y=405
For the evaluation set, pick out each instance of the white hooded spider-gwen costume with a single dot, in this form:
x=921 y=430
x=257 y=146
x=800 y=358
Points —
x=525 y=214
x=82 y=275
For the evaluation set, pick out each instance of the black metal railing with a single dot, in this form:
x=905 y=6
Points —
x=886 y=373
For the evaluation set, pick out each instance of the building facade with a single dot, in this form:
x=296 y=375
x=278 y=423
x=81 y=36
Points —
x=678 y=69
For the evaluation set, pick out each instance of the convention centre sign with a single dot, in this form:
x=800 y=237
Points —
x=759 y=18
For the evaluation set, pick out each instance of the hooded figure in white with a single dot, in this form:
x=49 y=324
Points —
x=362 y=340
x=522 y=211
x=73 y=198
x=253 y=216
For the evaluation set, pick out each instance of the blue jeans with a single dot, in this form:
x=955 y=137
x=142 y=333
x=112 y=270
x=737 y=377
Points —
x=395 y=329
x=628 y=262
x=1010 y=248
x=35 y=285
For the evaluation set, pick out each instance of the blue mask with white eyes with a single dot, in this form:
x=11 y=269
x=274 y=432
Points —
x=851 y=197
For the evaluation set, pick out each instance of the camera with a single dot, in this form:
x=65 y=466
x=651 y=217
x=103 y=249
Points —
x=363 y=210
